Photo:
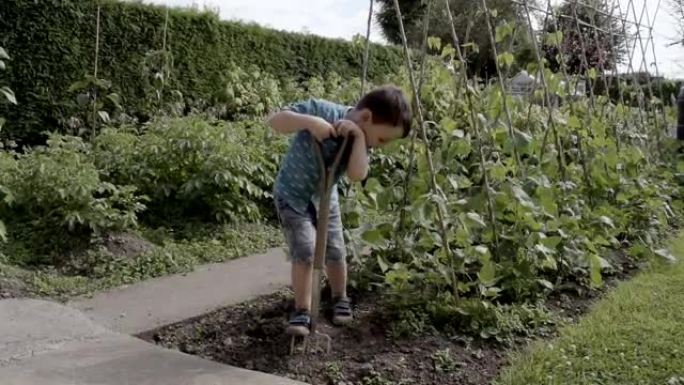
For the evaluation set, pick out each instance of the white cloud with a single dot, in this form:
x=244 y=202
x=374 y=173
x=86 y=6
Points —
x=345 y=18
x=329 y=18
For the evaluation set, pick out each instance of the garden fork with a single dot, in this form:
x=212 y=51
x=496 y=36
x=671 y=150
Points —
x=325 y=185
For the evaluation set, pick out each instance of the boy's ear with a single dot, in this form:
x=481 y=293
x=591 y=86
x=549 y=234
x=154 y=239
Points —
x=366 y=116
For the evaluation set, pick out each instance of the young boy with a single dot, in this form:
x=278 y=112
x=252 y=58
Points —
x=380 y=116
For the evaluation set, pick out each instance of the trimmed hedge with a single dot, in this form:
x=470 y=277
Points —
x=52 y=44
x=663 y=89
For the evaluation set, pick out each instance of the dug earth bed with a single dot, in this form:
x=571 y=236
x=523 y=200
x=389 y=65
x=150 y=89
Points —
x=251 y=335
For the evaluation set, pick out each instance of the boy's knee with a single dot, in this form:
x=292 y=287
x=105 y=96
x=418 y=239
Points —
x=302 y=261
x=336 y=251
x=335 y=255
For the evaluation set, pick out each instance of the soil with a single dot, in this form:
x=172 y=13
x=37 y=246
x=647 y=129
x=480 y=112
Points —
x=118 y=245
x=126 y=244
x=12 y=288
x=251 y=335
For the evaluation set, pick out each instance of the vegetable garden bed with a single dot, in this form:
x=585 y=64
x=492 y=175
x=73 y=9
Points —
x=251 y=335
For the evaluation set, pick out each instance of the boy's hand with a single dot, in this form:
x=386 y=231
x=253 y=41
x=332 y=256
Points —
x=346 y=127
x=320 y=128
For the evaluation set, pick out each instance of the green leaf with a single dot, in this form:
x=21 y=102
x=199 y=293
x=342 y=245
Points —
x=545 y=284
x=104 y=116
x=491 y=292
x=592 y=74
x=522 y=139
x=522 y=197
x=473 y=46
x=595 y=269
x=554 y=39
x=487 y=273
x=494 y=12
x=434 y=43
x=551 y=242
x=103 y=83
x=115 y=99
x=374 y=237
x=483 y=250
x=373 y=185
x=476 y=219
x=453 y=182
x=503 y=31
x=607 y=221
x=448 y=52
x=79 y=85
x=9 y=94
x=3 y=54
x=604 y=263
x=461 y=148
x=544 y=250
x=666 y=255
x=574 y=122
x=382 y=264
x=498 y=172
x=506 y=59
x=2 y=65
x=3 y=230
x=82 y=99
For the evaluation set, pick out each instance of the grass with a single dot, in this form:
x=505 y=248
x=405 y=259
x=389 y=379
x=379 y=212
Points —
x=173 y=254
x=633 y=336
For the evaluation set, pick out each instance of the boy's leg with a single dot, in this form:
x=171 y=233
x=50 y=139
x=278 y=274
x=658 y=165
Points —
x=337 y=276
x=300 y=235
x=336 y=267
x=302 y=273
x=336 y=252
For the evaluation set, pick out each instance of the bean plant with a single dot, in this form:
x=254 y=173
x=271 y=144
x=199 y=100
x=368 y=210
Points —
x=548 y=199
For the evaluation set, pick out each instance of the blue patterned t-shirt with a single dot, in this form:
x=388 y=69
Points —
x=298 y=178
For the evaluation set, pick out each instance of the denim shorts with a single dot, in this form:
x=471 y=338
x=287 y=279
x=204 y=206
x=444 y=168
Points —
x=300 y=232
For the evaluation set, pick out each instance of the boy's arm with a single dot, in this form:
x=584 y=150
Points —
x=357 y=168
x=288 y=122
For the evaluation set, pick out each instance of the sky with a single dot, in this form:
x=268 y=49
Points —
x=346 y=18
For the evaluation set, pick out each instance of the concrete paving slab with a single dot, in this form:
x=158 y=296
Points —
x=161 y=301
x=44 y=343
x=29 y=327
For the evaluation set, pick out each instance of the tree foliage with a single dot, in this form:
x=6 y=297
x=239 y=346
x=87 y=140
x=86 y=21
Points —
x=469 y=22
x=586 y=36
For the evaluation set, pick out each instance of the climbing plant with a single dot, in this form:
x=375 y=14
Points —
x=511 y=198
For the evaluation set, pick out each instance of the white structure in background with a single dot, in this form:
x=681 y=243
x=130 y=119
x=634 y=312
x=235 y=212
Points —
x=579 y=88
x=523 y=84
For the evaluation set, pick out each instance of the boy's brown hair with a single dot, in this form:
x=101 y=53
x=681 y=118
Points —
x=389 y=106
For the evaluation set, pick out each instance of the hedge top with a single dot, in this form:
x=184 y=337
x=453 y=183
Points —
x=52 y=45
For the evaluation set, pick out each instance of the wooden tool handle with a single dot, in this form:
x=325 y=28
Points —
x=327 y=178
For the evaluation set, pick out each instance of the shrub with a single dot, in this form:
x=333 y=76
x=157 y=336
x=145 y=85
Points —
x=59 y=198
x=190 y=167
x=246 y=93
x=7 y=95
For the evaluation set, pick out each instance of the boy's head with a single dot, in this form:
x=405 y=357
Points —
x=384 y=115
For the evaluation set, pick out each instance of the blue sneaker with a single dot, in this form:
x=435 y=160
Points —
x=300 y=323
x=342 y=312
